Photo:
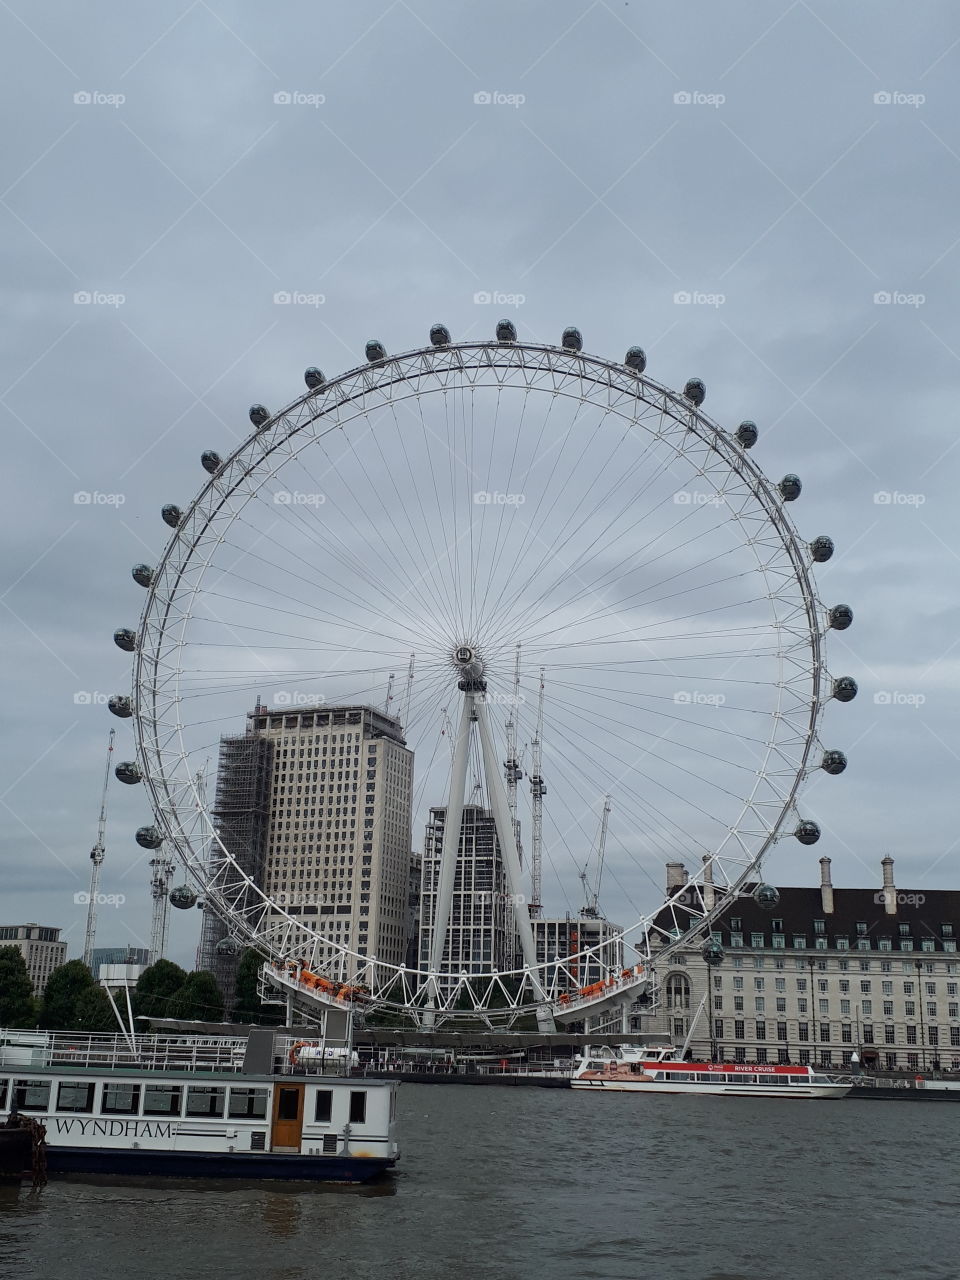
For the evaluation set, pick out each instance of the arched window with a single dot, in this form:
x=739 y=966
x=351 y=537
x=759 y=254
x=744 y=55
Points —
x=678 y=991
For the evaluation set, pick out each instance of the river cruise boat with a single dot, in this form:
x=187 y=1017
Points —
x=265 y=1105
x=631 y=1069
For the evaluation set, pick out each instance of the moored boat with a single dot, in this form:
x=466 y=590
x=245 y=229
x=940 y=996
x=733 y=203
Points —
x=629 y=1069
x=221 y=1106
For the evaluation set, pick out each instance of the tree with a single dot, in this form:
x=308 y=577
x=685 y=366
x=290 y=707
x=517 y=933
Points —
x=155 y=989
x=94 y=1012
x=198 y=999
x=17 y=1005
x=247 y=1006
x=65 y=986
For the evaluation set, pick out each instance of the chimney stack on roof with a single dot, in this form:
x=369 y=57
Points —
x=676 y=876
x=889 y=890
x=826 y=887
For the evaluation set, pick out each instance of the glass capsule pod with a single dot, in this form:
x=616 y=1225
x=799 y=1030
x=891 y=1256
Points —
x=845 y=688
x=821 y=549
x=746 y=434
x=148 y=838
x=125 y=639
x=182 y=897
x=572 y=339
x=314 y=378
x=375 y=351
x=695 y=391
x=712 y=953
x=833 y=762
x=790 y=487
x=636 y=358
x=211 y=461
x=807 y=832
x=439 y=335
x=766 y=897
x=128 y=771
x=171 y=515
x=841 y=616
x=143 y=574
x=120 y=705
x=506 y=331
x=259 y=415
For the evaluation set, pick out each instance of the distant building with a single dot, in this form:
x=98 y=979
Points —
x=117 y=955
x=413 y=911
x=482 y=933
x=826 y=972
x=556 y=939
x=40 y=947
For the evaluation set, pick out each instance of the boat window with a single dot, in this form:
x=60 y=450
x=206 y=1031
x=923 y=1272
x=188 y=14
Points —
x=658 y=1075
x=358 y=1106
x=3 y=1095
x=324 y=1106
x=595 y=1066
x=120 y=1099
x=31 y=1095
x=205 y=1100
x=248 y=1103
x=76 y=1095
x=162 y=1099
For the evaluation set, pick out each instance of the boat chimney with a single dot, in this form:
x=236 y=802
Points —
x=889 y=889
x=709 y=896
x=826 y=887
x=676 y=876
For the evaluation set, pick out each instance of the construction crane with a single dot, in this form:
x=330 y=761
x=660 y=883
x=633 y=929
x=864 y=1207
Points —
x=511 y=766
x=161 y=873
x=386 y=705
x=591 y=907
x=96 y=857
x=408 y=692
x=537 y=791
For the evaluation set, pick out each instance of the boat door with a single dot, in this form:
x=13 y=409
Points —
x=287 y=1117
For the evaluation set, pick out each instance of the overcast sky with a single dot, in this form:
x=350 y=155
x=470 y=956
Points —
x=763 y=195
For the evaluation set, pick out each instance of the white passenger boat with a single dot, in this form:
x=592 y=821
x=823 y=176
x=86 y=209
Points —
x=264 y=1105
x=632 y=1069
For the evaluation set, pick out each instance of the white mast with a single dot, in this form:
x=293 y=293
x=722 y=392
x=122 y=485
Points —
x=161 y=872
x=591 y=907
x=537 y=791
x=96 y=857
x=408 y=692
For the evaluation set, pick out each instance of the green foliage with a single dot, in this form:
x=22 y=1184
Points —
x=197 y=999
x=65 y=986
x=93 y=1012
x=247 y=1006
x=155 y=989
x=17 y=1005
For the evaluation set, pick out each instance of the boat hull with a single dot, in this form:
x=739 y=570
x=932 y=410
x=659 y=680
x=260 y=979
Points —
x=734 y=1090
x=251 y=1166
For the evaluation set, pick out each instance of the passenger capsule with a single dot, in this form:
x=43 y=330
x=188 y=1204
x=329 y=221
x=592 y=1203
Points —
x=713 y=953
x=506 y=331
x=790 y=487
x=120 y=705
x=845 y=688
x=807 y=832
x=148 y=838
x=211 y=461
x=746 y=434
x=171 y=515
x=439 y=335
x=128 y=771
x=259 y=415
x=841 y=615
x=143 y=574
x=696 y=391
x=375 y=351
x=636 y=358
x=228 y=947
x=766 y=897
x=821 y=549
x=572 y=339
x=833 y=762
x=314 y=378
x=125 y=639
x=182 y=897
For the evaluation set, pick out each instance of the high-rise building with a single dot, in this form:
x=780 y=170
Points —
x=482 y=933
x=557 y=939
x=337 y=844
x=40 y=947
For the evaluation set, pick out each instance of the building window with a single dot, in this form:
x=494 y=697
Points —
x=846 y=1033
x=781 y=1031
x=756 y=939
x=761 y=1031
x=933 y=1036
x=718 y=1029
x=867 y=1034
x=803 y=1031
x=800 y=942
x=889 y=1035
x=738 y=1029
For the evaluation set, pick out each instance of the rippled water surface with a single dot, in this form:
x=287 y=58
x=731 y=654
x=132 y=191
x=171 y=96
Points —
x=503 y=1183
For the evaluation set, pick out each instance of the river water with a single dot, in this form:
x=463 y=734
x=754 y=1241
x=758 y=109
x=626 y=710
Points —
x=518 y=1184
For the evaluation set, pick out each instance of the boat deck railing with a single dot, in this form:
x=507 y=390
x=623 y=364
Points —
x=25 y=1049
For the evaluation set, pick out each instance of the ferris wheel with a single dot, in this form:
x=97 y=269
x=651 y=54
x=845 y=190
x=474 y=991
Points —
x=490 y=518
